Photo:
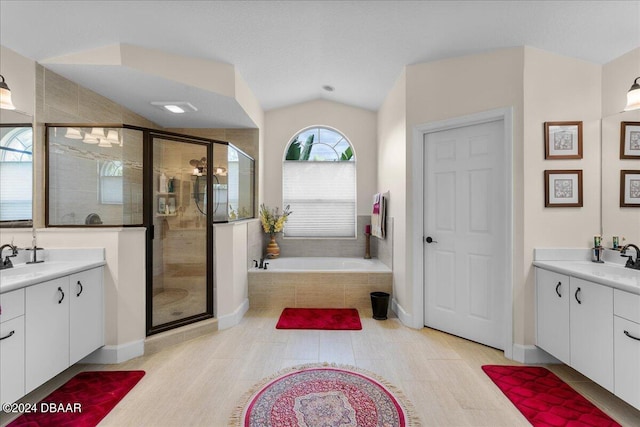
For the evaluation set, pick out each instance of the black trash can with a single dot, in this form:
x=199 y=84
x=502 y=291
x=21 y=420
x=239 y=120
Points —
x=379 y=305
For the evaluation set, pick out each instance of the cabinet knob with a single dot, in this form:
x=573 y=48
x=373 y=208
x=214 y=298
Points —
x=576 y=296
x=558 y=289
x=81 y=289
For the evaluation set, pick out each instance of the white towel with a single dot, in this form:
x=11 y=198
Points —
x=378 y=215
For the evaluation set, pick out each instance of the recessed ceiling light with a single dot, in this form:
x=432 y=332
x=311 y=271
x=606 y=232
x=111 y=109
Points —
x=176 y=107
x=328 y=88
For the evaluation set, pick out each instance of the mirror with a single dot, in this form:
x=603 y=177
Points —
x=16 y=169
x=623 y=222
x=94 y=176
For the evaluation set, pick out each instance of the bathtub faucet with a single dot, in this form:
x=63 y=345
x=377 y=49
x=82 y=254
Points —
x=261 y=265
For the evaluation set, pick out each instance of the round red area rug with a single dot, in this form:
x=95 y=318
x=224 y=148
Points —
x=324 y=396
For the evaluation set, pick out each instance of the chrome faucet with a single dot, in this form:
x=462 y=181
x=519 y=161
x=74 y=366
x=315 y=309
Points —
x=6 y=263
x=630 y=262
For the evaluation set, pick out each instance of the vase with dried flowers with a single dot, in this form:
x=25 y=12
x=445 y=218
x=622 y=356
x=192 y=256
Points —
x=273 y=222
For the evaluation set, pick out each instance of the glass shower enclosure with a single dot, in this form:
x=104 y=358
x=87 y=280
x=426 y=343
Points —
x=196 y=184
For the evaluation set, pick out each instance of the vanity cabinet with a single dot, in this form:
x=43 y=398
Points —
x=552 y=321
x=64 y=323
x=12 y=346
x=592 y=327
x=626 y=343
x=86 y=314
x=47 y=331
x=591 y=331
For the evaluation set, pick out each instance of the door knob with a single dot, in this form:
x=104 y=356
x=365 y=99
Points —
x=428 y=239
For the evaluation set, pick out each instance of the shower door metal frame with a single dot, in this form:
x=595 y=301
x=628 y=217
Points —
x=148 y=215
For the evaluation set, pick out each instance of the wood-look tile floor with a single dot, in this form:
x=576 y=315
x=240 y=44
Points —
x=199 y=382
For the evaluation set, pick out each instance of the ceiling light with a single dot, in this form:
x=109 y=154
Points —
x=633 y=96
x=176 y=107
x=5 y=96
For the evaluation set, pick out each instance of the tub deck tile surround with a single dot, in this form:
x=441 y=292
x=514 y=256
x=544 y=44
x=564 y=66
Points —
x=316 y=290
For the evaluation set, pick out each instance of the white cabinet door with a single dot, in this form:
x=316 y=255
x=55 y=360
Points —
x=47 y=331
x=627 y=360
x=86 y=313
x=552 y=313
x=12 y=360
x=591 y=315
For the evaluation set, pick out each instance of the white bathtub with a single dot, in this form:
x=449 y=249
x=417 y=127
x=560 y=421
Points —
x=324 y=264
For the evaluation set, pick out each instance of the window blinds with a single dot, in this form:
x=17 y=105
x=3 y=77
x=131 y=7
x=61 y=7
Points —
x=322 y=196
x=15 y=194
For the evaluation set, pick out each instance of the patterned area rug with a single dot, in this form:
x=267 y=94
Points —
x=544 y=399
x=324 y=396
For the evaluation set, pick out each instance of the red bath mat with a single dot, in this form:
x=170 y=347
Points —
x=544 y=399
x=320 y=318
x=82 y=402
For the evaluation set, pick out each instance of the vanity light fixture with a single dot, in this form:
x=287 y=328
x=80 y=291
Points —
x=113 y=137
x=5 y=96
x=73 y=133
x=633 y=96
x=90 y=139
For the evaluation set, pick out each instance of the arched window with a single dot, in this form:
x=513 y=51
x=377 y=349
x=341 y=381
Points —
x=319 y=184
x=16 y=178
x=111 y=183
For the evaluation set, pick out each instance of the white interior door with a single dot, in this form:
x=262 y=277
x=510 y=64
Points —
x=466 y=223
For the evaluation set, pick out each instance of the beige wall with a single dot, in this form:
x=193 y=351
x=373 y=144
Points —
x=357 y=124
x=392 y=177
x=556 y=88
x=452 y=88
x=20 y=75
x=617 y=77
x=540 y=87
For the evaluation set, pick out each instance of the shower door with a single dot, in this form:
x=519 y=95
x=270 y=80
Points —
x=179 y=283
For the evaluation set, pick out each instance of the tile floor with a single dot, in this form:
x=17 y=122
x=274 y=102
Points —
x=199 y=382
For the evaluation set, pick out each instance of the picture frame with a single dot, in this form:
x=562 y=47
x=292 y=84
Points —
x=630 y=140
x=562 y=140
x=630 y=188
x=563 y=188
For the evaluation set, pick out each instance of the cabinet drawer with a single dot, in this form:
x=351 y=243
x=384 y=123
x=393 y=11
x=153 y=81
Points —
x=11 y=305
x=626 y=305
x=627 y=355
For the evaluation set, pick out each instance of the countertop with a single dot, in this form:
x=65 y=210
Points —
x=610 y=274
x=57 y=263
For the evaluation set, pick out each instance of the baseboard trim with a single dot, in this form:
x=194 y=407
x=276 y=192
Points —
x=229 y=320
x=532 y=355
x=402 y=314
x=114 y=354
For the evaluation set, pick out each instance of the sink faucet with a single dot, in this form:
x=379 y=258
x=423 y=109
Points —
x=630 y=262
x=6 y=263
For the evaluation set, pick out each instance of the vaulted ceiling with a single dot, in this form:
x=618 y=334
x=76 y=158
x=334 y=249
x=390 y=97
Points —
x=286 y=51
